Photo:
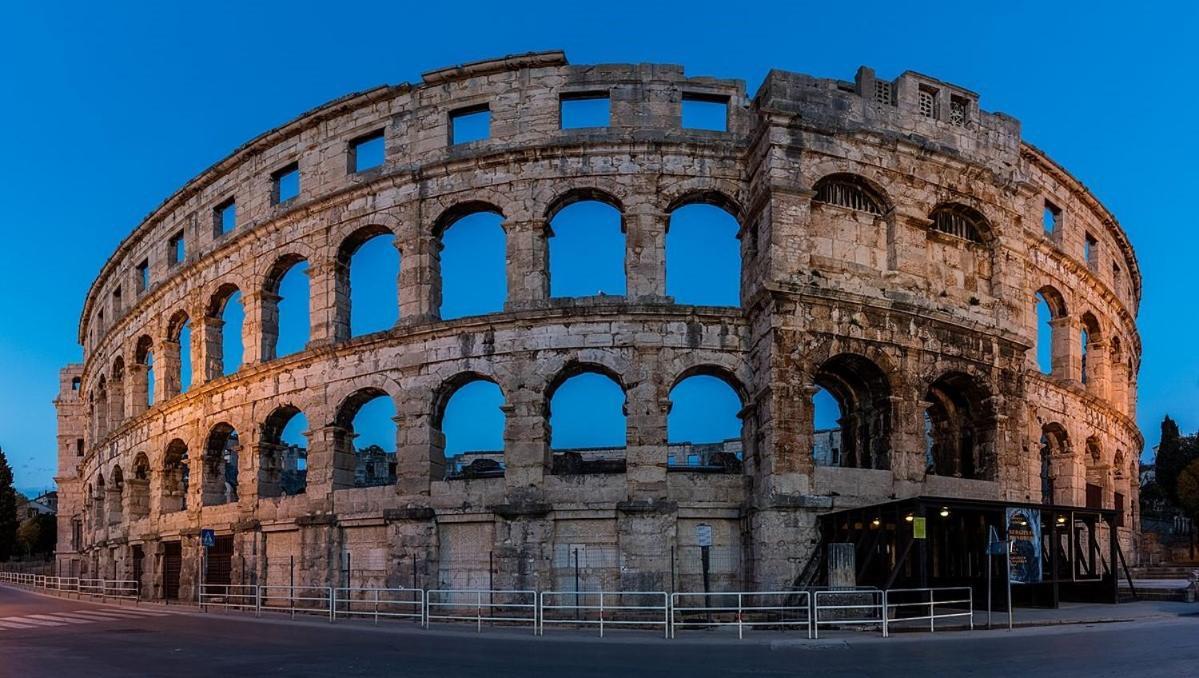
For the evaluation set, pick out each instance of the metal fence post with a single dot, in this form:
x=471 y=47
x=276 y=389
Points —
x=479 y=610
x=601 y=613
x=332 y=604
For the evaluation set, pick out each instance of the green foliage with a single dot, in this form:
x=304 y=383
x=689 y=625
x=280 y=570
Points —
x=8 y=510
x=37 y=535
x=1174 y=453
x=1188 y=489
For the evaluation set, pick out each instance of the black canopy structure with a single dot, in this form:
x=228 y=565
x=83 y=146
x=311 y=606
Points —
x=894 y=548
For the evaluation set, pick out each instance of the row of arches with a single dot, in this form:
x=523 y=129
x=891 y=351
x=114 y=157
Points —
x=1087 y=476
x=1077 y=347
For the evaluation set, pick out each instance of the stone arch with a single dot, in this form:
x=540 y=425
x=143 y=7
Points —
x=176 y=475
x=852 y=191
x=214 y=329
x=101 y=405
x=483 y=466
x=116 y=391
x=703 y=192
x=144 y=377
x=1091 y=363
x=570 y=460
x=584 y=194
x=962 y=221
x=176 y=355
x=367 y=467
x=282 y=468
x=704 y=245
x=960 y=427
x=220 y=466
x=350 y=245
x=1055 y=300
x=269 y=311
x=454 y=213
x=863 y=395
x=710 y=453
x=99 y=497
x=115 y=501
x=488 y=261
x=1056 y=458
x=139 y=487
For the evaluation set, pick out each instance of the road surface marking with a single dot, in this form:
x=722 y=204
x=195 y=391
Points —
x=58 y=618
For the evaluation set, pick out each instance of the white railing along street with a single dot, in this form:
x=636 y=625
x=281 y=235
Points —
x=926 y=605
x=481 y=605
x=741 y=609
x=605 y=608
x=856 y=606
x=376 y=603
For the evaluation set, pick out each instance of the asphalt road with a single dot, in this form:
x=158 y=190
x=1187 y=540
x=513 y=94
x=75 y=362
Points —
x=77 y=638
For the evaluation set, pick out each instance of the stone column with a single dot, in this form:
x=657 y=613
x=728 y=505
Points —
x=645 y=253
x=139 y=385
x=413 y=540
x=1118 y=387
x=323 y=302
x=1063 y=348
x=330 y=462
x=646 y=533
x=1097 y=368
x=527 y=263
x=526 y=442
x=210 y=358
x=260 y=335
x=420 y=281
x=646 y=406
x=420 y=448
x=318 y=562
x=119 y=401
x=169 y=367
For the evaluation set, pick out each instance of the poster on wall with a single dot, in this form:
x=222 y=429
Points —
x=1024 y=549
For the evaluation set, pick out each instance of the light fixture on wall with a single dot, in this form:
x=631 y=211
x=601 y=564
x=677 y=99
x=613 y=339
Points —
x=909 y=517
x=944 y=511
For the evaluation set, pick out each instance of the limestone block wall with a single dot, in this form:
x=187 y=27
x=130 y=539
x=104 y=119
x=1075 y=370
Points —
x=891 y=244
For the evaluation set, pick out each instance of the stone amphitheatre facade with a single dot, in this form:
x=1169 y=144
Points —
x=893 y=240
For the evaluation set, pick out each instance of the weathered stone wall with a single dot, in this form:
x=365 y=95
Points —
x=878 y=300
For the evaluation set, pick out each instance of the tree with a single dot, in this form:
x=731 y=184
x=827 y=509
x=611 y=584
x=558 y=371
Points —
x=1188 y=490
x=38 y=534
x=8 y=510
x=1174 y=453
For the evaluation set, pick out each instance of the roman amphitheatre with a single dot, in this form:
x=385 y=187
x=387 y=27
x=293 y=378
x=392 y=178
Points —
x=894 y=241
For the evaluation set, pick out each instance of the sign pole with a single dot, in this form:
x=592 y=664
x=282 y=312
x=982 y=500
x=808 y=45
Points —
x=990 y=585
x=1009 y=585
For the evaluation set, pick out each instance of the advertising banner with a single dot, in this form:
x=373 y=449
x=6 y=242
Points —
x=1024 y=537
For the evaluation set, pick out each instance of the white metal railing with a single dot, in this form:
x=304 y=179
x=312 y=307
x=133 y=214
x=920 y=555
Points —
x=228 y=596
x=779 y=609
x=481 y=605
x=811 y=608
x=856 y=606
x=293 y=599
x=926 y=607
x=605 y=608
x=376 y=603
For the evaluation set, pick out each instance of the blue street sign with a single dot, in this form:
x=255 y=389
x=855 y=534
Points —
x=208 y=538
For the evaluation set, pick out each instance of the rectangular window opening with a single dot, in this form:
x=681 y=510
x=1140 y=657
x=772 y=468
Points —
x=1090 y=251
x=285 y=184
x=959 y=110
x=470 y=124
x=582 y=110
x=79 y=447
x=705 y=111
x=176 y=249
x=1051 y=218
x=143 y=276
x=116 y=300
x=224 y=217
x=366 y=152
x=926 y=101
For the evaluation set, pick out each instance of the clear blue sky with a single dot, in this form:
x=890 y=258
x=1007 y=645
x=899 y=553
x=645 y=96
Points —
x=109 y=109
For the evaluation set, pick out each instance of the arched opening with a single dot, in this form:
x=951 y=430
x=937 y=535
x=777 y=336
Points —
x=101 y=408
x=474 y=278
x=1097 y=475
x=223 y=346
x=1055 y=450
x=285 y=304
x=365 y=441
x=100 y=517
x=703 y=427
x=587 y=248
x=178 y=356
x=220 y=466
x=368 y=269
x=116 y=497
x=283 y=454
x=1119 y=375
x=139 y=487
x=961 y=221
x=851 y=192
x=959 y=428
x=587 y=428
x=1090 y=336
x=176 y=472
x=144 y=386
x=703 y=256
x=851 y=406
x=117 y=389
x=1050 y=309
x=470 y=428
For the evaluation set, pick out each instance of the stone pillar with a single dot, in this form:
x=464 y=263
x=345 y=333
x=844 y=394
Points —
x=420 y=281
x=323 y=302
x=527 y=263
x=1118 y=386
x=260 y=335
x=169 y=367
x=330 y=462
x=1097 y=368
x=137 y=498
x=119 y=401
x=139 y=388
x=413 y=540
x=189 y=572
x=908 y=453
x=318 y=562
x=1073 y=349
x=420 y=448
x=645 y=253
x=527 y=454
x=523 y=547
x=1063 y=348
x=210 y=358
x=646 y=406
